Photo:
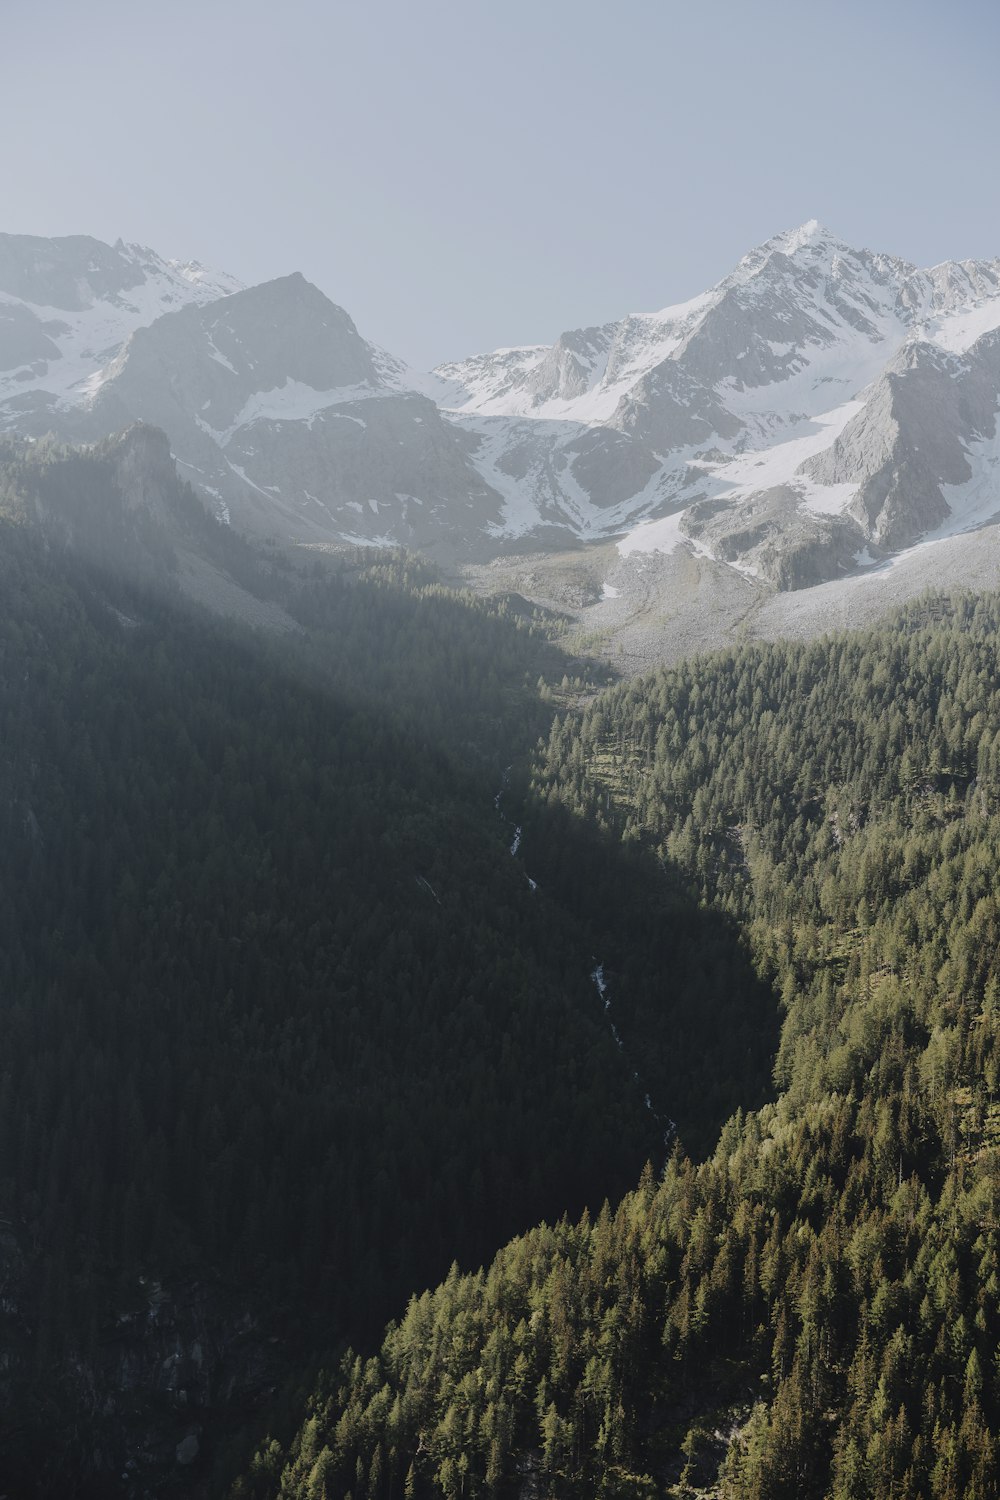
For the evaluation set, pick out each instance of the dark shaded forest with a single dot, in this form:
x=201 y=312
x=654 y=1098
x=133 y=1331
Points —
x=282 y=1016
x=811 y=1311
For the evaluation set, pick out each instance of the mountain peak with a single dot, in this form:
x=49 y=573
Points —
x=806 y=241
x=220 y=283
x=74 y=273
x=773 y=383
x=811 y=233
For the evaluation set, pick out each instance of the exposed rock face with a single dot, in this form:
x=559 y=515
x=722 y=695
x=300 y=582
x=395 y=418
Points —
x=206 y=362
x=567 y=369
x=767 y=537
x=288 y=422
x=912 y=438
x=71 y=273
x=834 y=405
x=121 y=506
x=66 y=307
x=670 y=408
x=823 y=398
x=120 y=503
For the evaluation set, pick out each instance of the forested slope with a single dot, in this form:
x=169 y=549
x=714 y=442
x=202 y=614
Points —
x=812 y=1311
x=286 y=1028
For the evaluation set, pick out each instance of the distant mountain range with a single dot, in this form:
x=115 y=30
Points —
x=820 y=409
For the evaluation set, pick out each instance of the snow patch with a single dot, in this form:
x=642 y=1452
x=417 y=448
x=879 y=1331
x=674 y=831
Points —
x=89 y=339
x=292 y=401
x=220 y=359
x=664 y=535
x=976 y=501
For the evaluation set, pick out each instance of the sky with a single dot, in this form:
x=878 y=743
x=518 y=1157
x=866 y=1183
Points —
x=462 y=176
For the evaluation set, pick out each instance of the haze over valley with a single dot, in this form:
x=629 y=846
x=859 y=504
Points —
x=822 y=416
x=499 y=790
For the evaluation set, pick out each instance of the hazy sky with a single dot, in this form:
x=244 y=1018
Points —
x=463 y=175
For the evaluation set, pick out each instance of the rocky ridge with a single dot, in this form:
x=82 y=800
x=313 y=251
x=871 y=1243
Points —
x=817 y=412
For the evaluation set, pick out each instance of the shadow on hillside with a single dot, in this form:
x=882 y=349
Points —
x=698 y=1026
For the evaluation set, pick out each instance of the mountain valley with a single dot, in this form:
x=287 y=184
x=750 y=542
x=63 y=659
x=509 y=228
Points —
x=499 y=892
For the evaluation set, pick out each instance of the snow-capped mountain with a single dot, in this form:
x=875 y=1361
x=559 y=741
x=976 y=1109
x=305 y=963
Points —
x=286 y=419
x=279 y=410
x=818 y=409
x=67 y=306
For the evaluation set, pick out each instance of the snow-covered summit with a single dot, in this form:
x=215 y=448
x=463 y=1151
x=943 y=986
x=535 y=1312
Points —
x=816 y=410
x=215 y=283
x=810 y=241
x=587 y=372
x=809 y=234
x=714 y=412
x=67 y=306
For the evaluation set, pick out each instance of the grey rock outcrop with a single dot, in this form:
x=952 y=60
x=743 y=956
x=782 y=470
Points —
x=280 y=412
x=912 y=437
x=819 y=408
